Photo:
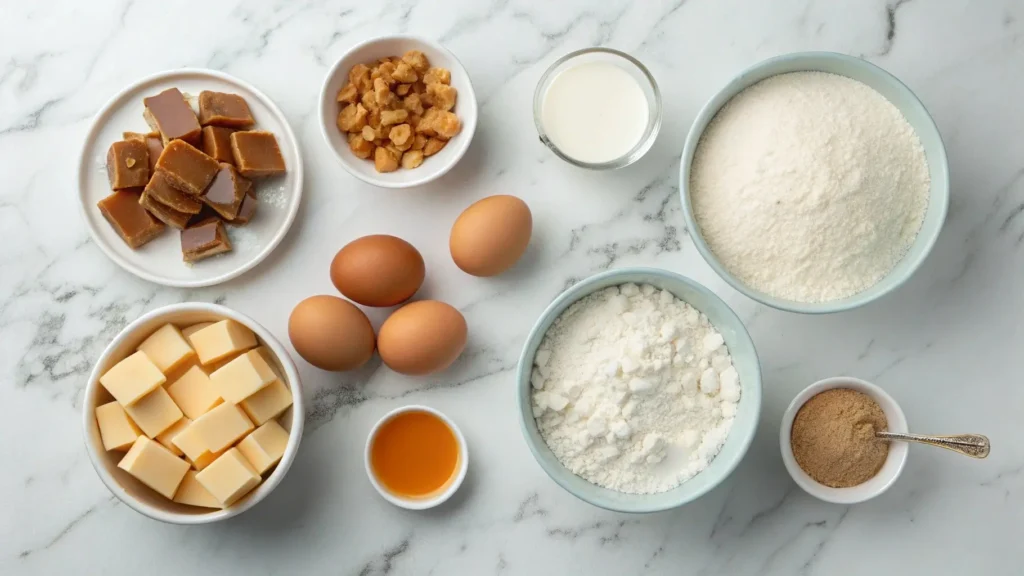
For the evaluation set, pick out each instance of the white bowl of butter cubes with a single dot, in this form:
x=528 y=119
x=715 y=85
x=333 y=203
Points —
x=193 y=414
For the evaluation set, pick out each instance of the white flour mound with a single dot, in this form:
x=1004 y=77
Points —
x=634 y=390
x=809 y=186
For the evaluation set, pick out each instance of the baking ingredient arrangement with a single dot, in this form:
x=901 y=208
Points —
x=806 y=186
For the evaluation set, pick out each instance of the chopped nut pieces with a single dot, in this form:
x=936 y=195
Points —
x=398 y=111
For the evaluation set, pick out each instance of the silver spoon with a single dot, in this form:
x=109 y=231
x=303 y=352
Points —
x=973 y=445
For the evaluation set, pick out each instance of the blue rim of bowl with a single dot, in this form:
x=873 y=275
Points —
x=708 y=112
x=578 y=291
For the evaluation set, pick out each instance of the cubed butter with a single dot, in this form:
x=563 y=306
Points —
x=221 y=427
x=222 y=339
x=265 y=446
x=229 y=477
x=166 y=436
x=268 y=357
x=193 y=493
x=167 y=348
x=154 y=412
x=116 y=429
x=194 y=393
x=268 y=403
x=154 y=466
x=242 y=377
x=132 y=378
x=188 y=331
x=192 y=446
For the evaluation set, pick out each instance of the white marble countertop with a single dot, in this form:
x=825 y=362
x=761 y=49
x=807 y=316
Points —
x=947 y=345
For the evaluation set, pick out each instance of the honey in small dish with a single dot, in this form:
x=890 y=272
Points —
x=414 y=454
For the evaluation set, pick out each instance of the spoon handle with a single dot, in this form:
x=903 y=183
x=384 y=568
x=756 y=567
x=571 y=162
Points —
x=973 y=445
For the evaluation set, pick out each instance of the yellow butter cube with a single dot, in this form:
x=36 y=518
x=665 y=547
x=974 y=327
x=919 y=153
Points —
x=192 y=446
x=242 y=377
x=154 y=466
x=154 y=412
x=265 y=446
x=268 y=357
x=268 y=403
x=167 y=348
x=221 y=427
x=132 y=378
x=229 y=477
x=221 y=339
x=193 y=493
x=166 y=436
x=194 y=393
x=117 y=430
x=188 y=331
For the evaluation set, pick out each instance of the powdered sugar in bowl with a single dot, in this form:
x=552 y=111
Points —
x=639 y=436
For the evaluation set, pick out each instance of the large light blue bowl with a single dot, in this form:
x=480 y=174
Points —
x=744 y=358
x=901 y=97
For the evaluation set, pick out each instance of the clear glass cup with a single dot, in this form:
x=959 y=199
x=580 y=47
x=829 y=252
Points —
x=630 y=65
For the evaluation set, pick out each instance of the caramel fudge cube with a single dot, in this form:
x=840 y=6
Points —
x=221 y=340
x=130 y=220
x=229 y=477
x=132 y=378
x=265 y=446
x=257 y=154
x=169 y=114
x=242 y=377
x=193 y=493
x=160 y=189
x=221 y=427
x=204 y=239
x=155 y=412
x=268 y=403
x=117 y=431
x=167 y=348
x=154 y=144
x=217 y=143
x=164 y=213
x=155 y=466
x=246 y=210
x=222 y=109
x=194 y=393
x=187 y=169
x=128 y=164
x=227 y=191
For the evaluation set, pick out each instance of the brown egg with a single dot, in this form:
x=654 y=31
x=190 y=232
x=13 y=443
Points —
x=490 y=236
x=422 y=337
x=378 y=270
x=331 y=333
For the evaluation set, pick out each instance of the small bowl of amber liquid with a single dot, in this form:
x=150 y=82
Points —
x=881 y=475
x=416 y=457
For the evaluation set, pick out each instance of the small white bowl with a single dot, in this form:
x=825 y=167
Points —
x=386 y=46
x=132 y=492
x=878 y=484
x=418 y=503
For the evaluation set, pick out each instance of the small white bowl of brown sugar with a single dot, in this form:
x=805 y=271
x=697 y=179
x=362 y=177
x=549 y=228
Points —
x=828 y=440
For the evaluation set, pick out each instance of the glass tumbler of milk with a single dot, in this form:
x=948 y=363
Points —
x=597 y=108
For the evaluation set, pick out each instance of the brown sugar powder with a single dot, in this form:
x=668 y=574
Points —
x=833 y=437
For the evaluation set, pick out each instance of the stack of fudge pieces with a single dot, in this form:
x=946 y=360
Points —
x=189 y=173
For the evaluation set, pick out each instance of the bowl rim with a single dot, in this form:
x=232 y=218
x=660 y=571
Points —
x=453 y=484
x=382 y=180
x=642 y=147
x=272 y=481
x=524 y=365
x=743 y=80
x=897 y=422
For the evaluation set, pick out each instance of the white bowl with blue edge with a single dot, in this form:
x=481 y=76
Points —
x=744 y=358
x=895 y=92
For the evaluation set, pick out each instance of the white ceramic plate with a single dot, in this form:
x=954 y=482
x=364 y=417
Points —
x=160 y=260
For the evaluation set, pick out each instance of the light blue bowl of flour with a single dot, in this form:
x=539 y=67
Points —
x=744 y=359
x=900 y=96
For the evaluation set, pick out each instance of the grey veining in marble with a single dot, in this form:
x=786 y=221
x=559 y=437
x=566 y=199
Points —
x=948 y=345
